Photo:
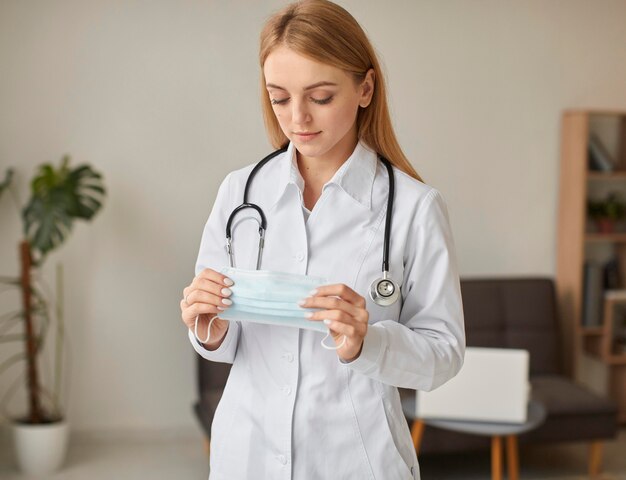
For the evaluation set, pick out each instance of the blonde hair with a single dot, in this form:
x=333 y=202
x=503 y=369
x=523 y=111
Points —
x=327 y=33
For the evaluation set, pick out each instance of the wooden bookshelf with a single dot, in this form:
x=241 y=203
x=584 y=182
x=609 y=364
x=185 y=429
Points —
x=577 y=242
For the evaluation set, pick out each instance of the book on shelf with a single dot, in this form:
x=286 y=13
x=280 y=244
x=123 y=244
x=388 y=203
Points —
x=599 y=158
x=600 y=280
x=592 y=294
x=612 y=279
x=619 y=294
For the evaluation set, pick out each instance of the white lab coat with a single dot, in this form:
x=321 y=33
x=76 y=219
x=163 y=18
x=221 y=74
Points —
x=290 y=408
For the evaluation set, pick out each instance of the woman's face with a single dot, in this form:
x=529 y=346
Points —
x=311 y=97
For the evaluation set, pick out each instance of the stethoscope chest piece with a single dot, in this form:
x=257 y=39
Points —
x=384 y=291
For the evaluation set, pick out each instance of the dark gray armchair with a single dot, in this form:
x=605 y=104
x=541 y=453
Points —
x=522 y=313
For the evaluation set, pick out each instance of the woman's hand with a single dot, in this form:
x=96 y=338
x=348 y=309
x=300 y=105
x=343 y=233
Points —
x=206 y=296
x=345 y=315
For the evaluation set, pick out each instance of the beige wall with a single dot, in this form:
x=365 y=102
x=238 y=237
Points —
x=162 y=97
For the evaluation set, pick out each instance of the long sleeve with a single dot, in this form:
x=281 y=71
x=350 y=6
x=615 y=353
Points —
x=425 y=348
x=213 y=255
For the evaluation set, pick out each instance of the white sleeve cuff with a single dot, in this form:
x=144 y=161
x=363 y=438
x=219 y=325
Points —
x=374 y=345
x=225 y=352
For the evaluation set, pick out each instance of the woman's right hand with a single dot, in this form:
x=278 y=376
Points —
x=207 y=296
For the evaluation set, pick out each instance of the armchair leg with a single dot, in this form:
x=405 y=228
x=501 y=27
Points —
x=512 y=458
x=595 y=458
x=496 y=457
x=417 y=431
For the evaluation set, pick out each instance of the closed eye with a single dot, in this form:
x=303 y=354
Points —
x=323 y=101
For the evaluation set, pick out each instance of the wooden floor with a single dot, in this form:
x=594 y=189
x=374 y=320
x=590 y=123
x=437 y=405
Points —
x=184 y=457
x=565 y=461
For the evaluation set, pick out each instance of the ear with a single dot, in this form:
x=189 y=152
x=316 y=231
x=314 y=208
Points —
x=367 y=88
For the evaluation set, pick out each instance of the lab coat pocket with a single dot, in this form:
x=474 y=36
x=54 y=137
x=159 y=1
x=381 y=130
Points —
x=379 y=431
x=393 y=430
x=392 y=426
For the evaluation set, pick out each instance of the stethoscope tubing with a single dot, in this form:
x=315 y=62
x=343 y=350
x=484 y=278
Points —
x=390 y=199
x=381 y=299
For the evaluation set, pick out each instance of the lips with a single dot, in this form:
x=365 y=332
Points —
x=307 y=136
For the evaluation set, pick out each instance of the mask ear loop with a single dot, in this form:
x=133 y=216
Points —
x=343 y=342
x=195 y=330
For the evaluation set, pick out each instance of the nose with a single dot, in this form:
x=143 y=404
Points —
x=300 y=114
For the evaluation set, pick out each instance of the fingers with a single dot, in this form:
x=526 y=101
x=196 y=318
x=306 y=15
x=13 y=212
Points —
x=189 y=313
x=217 y=325
x=329 y=303
x=213 y=276
x=202 y=303
x=208 y=281
x=340 y=323
x=196 y=308
x=344 y=316
x=207 y=295
x=348 y=335
x=219 y=298
x=338 y=328
x=343 y=291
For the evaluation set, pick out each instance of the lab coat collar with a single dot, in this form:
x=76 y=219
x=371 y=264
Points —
x=355 y=176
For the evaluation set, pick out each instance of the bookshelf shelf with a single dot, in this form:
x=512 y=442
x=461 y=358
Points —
x=592 y=331
x=616 y=175
x=618 y=237
x=617 y=360
x=593 y=319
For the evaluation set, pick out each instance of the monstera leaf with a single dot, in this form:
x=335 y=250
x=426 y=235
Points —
x=58 y=197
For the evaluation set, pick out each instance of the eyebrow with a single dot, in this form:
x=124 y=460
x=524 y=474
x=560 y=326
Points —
x=310 y=87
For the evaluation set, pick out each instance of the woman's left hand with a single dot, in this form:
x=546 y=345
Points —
x=345 y=315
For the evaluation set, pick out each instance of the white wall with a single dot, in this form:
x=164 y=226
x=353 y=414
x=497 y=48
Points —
x=162 y=97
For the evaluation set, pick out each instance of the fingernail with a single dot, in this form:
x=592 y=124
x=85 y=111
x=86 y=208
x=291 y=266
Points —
x=326 y=321
x=302 y=302
x=228 y=281
x=221 y=308
x=308 y=315
x=226 y=301
x=313 y=292
x=226 y=291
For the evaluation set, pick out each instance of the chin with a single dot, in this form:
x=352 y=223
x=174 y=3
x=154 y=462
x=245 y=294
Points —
x=311 y=150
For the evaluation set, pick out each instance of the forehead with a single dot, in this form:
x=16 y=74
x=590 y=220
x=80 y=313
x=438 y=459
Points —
x=289 y=69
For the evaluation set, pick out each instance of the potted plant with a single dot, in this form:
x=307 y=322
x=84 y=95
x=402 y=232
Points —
x=59 y=196
x=606 y=212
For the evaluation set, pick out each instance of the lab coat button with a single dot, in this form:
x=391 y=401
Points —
x=300 y=257
x=289 y=357
x=282 y=459
x=286 y=390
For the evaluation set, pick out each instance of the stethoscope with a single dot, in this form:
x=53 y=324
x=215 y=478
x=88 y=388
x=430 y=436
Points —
x=383 y=291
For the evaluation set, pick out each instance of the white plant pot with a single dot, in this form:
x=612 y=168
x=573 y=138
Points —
x=40 y=449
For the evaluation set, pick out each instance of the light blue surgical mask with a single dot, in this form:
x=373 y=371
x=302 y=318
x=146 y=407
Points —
x=264 y=296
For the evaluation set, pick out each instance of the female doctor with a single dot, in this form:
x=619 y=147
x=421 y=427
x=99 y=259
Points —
x=292 y=409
